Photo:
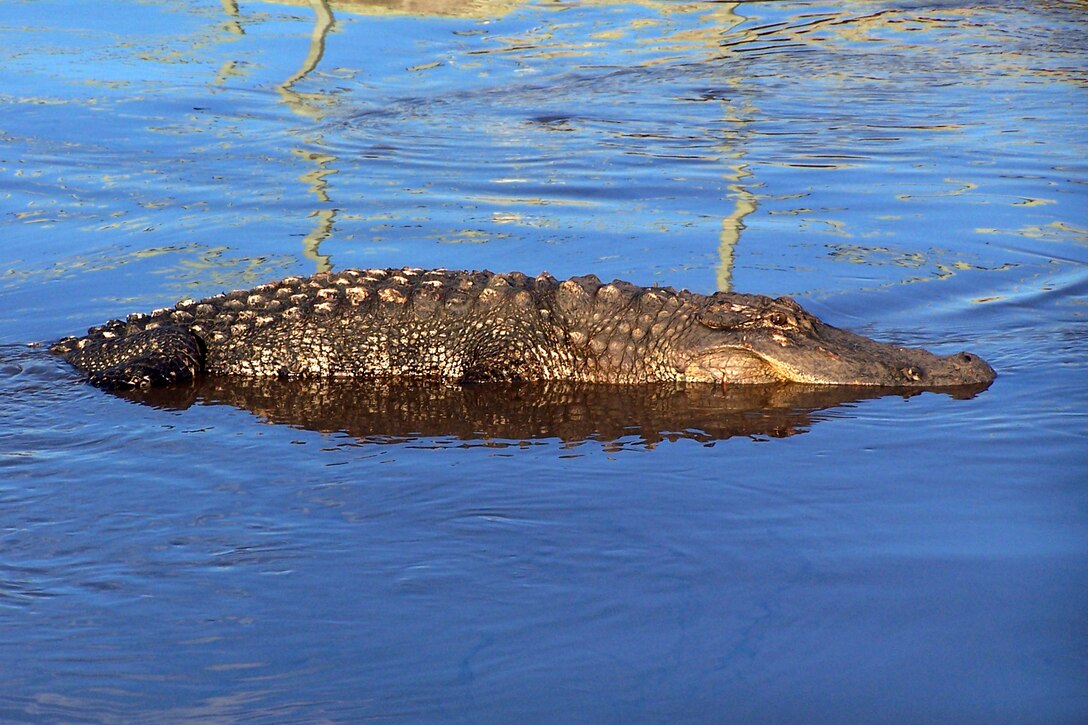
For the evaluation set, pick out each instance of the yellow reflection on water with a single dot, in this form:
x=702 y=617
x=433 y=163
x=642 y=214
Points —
x=1055 y=231
x=719 y=32
x=440 y=8
x=233 y=25
x=194 y=265
x=930 y=265
x=310 y=104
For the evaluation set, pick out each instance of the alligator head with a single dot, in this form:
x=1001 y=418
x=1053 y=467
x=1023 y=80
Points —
x=756 y=339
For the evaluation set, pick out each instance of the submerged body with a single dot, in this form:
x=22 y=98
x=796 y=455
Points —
x=481 y=326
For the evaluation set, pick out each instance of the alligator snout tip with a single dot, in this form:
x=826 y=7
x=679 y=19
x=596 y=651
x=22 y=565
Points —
x=962 y=370
x=975 y=367
x=961 y=374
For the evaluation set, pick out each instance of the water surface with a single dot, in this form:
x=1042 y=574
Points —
x=914 y=171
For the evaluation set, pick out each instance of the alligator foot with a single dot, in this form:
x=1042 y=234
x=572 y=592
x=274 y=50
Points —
x=159 y=356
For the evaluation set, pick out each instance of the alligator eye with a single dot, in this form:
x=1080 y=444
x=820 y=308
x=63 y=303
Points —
x=912 y=374
x=778 y=319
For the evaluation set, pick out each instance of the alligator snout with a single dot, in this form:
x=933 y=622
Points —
x=971 y=369
x=962 y=368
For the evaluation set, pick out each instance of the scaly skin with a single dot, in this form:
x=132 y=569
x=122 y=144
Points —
x=480 y=326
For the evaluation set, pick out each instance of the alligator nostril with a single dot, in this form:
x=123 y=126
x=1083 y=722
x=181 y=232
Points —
x=912 y=374
x=967 y=357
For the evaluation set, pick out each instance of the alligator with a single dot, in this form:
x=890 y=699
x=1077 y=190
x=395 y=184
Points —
x=468 y=327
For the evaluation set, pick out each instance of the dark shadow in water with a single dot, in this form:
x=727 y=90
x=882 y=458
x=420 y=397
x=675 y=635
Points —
x=387 y=411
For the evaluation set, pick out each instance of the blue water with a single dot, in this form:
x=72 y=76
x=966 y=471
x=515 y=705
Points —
x=914 y=171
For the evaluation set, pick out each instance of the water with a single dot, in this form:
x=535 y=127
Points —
x=914 y=171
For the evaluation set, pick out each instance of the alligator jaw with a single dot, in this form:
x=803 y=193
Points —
x=830 y=356
x=826 y=355
x=735 y=365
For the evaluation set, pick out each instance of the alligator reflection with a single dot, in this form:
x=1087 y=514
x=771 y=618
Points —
x=396 y=411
